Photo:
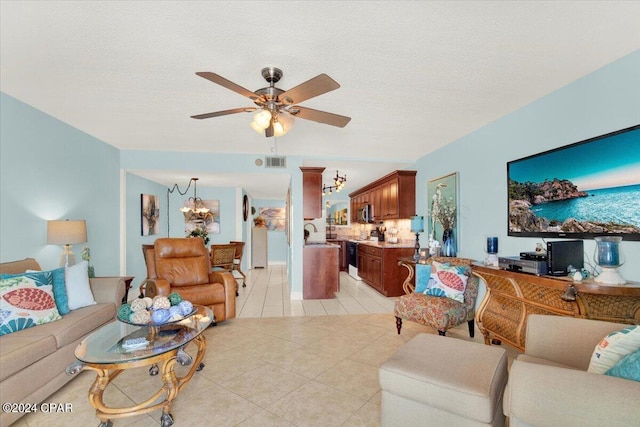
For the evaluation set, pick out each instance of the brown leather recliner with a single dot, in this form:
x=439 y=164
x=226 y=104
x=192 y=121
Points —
x=182 y=265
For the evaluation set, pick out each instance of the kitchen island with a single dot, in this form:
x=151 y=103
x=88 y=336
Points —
x=321 y=270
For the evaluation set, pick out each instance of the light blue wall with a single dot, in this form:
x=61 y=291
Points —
x=276 y=240
x=602 y=102
x=135 y=186
x=50 y=170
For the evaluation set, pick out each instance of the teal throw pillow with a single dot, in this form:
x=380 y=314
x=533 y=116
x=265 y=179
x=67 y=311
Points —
x=53 y=278
x=628 y=367
x=423 y=272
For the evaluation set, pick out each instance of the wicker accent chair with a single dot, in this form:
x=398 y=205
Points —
x=440 y=313
x=237 y=262
x=222 y=256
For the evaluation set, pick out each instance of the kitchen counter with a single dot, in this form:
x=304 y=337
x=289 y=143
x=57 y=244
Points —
x=320 y=244
x=378 y=244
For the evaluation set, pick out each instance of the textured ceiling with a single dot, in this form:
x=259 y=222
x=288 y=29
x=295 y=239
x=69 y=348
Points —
x=414 y=75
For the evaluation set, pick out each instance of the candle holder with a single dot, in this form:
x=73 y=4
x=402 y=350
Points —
x=609 y=258
x=491 y=249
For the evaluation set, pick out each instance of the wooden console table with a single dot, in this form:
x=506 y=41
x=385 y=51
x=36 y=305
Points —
x=512 y=296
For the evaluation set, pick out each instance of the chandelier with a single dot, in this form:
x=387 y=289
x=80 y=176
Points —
x=196 y=207
x=338 y=184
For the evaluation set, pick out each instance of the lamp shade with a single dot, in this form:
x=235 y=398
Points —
x=417 y=224
x=66 y=232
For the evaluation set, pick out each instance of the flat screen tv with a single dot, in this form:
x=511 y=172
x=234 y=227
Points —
x=582 y=190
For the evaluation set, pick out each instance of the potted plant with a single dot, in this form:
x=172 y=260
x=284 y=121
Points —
x=200 y=232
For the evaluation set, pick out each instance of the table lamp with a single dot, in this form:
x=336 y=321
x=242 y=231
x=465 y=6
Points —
x=66 y=233
x=417 y=226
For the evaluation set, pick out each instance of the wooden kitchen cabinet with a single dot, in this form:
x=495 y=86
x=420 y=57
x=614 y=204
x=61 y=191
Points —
x=378 y=267
x=512 y=296
x=311 y=192
x=343 y=260
x=392 y=196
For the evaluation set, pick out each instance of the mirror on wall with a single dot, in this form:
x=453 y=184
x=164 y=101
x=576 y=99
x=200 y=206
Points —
x=337 y=212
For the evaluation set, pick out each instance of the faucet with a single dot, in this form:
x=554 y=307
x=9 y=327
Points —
x=315 y=229
x=306 y=232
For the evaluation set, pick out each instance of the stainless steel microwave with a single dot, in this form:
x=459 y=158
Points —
x=365 y=214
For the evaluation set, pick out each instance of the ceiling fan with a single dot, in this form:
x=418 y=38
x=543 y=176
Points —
x=276 y=108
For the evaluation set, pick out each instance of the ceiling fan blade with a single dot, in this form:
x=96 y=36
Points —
x=224 y=113
x=218 y=79
x=319 y=116
x=309 y=89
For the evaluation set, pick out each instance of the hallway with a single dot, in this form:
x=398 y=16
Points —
x=267 y=295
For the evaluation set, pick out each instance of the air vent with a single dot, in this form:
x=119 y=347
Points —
x=275 y=162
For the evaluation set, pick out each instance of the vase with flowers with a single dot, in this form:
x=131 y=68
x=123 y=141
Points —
x=199 y=232
x=447 y=218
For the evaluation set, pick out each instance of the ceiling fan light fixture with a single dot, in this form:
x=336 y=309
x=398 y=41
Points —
x=255 y=126
x=278 y=129
x=262 y=118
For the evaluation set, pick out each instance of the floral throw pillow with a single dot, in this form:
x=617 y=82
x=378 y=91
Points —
x=448 y=281
x=23 y=304
x=52 y=277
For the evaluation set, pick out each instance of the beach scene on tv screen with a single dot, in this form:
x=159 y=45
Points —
x=591 y=187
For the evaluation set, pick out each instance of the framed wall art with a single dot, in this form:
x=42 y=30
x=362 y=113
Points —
x=149 y=215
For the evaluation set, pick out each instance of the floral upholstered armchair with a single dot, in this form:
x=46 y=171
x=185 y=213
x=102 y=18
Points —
x=444 y=299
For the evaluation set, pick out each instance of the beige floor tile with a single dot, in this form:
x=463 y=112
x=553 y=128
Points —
x=265 y=385
x=308 y=364
x=367 y=416
x=224 y=366
x=356 y=378
x=338 y=345
x=317 y=405
x=265 y=419
x=207 y=404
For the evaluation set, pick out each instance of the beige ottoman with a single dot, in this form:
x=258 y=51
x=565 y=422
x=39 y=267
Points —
x=443 y=381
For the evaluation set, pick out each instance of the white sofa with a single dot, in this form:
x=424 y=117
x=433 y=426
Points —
x=549 y=384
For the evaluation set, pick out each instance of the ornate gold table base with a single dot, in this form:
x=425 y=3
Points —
x=172 y=384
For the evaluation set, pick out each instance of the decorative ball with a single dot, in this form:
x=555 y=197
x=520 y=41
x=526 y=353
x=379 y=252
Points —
x=124 y=312
x=161 y=302
x=140 y=317
x=175 y=298
x=160 y=315
x=186 y=307
x=148 y=301
x=138 y=304
x=174 y=309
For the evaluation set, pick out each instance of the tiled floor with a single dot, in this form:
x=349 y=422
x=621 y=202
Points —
x=280 y=363
x=267 y=295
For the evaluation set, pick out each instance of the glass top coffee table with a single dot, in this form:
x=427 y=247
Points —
x=119 y=346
